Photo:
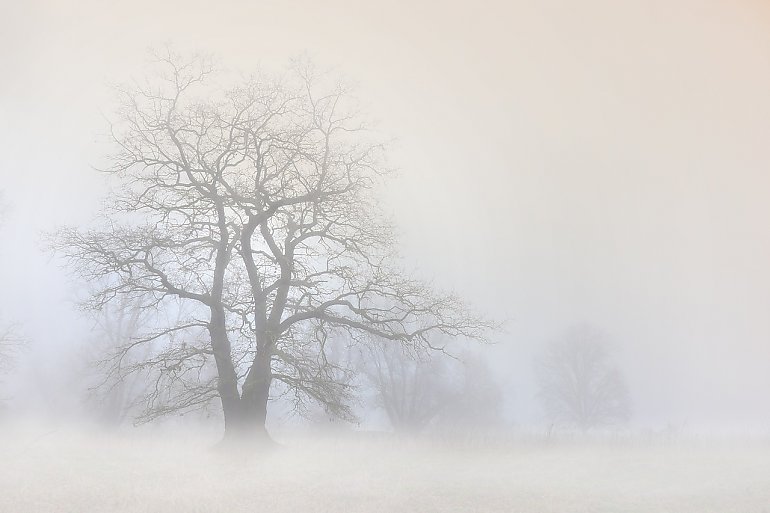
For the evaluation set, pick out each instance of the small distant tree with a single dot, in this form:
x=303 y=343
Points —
x=411 y=385
x=418 y=389
x=10 y=341
x=579 y=384
x=7 y=349
x=477 y=402
x=116 y=387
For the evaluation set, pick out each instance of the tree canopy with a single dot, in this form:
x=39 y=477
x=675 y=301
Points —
x=252 y=209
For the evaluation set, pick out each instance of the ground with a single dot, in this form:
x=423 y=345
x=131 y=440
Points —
x=76 y=472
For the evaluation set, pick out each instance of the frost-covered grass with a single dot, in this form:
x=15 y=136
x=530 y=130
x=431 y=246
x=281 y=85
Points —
x=59 y=471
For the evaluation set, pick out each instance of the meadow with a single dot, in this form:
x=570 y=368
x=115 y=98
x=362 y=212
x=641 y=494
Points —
x=52 y=471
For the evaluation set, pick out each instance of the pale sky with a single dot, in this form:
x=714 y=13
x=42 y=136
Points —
x=560 y=162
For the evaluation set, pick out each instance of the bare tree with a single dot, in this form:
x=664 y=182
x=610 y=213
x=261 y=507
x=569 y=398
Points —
x=253 y=206
x=115 y=397
x=428 y=389
x=411 y=386
x=9 y=345
x=10 y=340
x=579 y=385
x=478 y=399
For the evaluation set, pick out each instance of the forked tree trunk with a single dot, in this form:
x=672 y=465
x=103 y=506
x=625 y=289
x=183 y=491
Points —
x=256 y=391
x=245 y=418
x=227 y=378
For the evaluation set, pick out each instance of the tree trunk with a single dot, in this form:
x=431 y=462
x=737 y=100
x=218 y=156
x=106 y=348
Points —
x=227 y=379
x=256 y=392
x=245 y=413
x=245 y=418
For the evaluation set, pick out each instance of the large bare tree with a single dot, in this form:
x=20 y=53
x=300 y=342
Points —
x=579 y=384
x=252 y=205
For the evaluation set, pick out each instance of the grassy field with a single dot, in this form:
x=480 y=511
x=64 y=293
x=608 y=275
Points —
x=50 y=472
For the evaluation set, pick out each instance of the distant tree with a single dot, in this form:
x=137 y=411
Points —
x=117 y=386
x=477 y=402
x=579 y=384
x=411 y=385
x=9 y=345
x=10 y=340
x=253 y=206
x=420 y=389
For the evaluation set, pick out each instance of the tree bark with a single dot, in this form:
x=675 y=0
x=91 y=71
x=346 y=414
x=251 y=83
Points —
x=256 y=390
x=227 y=383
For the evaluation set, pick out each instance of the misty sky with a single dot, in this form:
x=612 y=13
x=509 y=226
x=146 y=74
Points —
x=560 y=162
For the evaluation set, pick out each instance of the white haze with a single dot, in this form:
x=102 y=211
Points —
x=63 y=473
x=559 y=162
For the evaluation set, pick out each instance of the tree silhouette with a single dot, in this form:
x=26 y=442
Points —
x=253 y=207
x=579 y=385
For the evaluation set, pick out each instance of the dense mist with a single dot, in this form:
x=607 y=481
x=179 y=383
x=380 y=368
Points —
x=494 y=244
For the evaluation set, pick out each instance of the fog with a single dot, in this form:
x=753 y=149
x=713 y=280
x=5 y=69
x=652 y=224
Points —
x=564 y=168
